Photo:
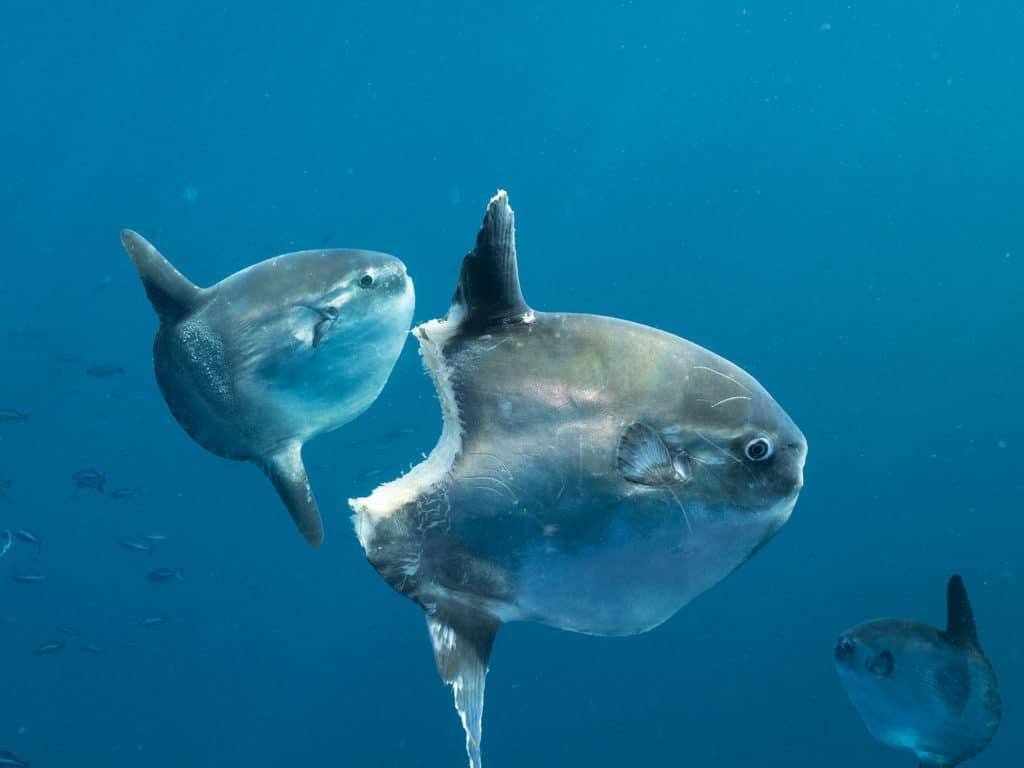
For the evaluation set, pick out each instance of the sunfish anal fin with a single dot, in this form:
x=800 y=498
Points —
x=960 y=627
x=488 y=289
x=643 y=457
x=172 y=295
x=462 y=647
x=287 y=473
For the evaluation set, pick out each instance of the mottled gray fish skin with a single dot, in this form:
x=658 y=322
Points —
x=930 y=691
x=592 y=473
x=276 y=354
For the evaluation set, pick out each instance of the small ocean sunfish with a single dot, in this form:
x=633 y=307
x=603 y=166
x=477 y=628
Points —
x=259 y=364
x=923 y=689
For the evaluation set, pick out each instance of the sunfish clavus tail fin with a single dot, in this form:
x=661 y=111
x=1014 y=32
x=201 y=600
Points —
x=288 y=474
x=172 y=295
x=488 y=291
x=462 y=647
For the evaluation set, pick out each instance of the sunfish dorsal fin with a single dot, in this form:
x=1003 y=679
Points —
x=172 y=295
x=288 y=474
x=960 y=627
x=488 y=290
x=462 y=647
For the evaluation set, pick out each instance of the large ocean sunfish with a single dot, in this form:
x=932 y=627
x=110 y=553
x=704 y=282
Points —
x=270 y=357
x=592 y=474
x=923 y=689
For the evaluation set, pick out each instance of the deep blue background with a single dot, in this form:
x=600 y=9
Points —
x=829 y=194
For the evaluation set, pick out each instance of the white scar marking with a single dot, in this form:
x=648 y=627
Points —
x=489 y=479
x=730 y=399
x=723 y=375
x=724 y=452
x=682 y=509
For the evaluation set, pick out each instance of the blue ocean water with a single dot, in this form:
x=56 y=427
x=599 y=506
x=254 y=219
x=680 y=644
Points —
x=828 y=194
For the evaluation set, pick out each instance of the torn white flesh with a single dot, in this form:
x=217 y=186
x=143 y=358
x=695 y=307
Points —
x=386 y=499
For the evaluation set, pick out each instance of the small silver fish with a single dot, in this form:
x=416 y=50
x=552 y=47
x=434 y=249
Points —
x=154 y=537
x=29 y=537
x=28 y=578
x=163 y=575
x=51 y=646
x=95 y=650
x=104 y=371
x=89 y=478
x=120 y=494
x=67 y=629
x=12 y=416
x=135 y=546
x=156 y=621
x=6 y=539
x=368 y=473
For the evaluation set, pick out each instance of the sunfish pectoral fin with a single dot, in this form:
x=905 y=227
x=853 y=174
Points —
x=644 y=458
x=287 y=473
x=172 y=295
x=488 y=289
x=462 y=647
x=960 y=627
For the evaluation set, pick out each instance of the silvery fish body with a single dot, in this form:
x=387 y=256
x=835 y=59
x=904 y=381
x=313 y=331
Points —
x=923 y=689
x=276 y=354
x=593 y=474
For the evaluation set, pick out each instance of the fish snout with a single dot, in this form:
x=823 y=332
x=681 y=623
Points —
x=792 y=455
x=845 y=650
x=393 y=280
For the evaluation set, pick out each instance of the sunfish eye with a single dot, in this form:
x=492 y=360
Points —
x=758 y=449
x=882 y=665
x=844 y=647
x=366 y=281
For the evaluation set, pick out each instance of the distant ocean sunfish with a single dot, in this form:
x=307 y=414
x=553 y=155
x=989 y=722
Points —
x=258 y=364
x=923 y=689
x=592 y=474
